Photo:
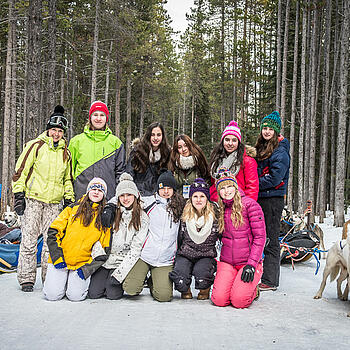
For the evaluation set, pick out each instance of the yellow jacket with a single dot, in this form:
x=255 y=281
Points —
x=71 y=242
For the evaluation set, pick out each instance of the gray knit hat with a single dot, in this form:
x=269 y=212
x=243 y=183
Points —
x=126 y=185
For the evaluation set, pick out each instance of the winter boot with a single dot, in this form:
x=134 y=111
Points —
x=27 y=287
x=187 y=295
x=203 y=294
x=257 y=293
x=263 y=287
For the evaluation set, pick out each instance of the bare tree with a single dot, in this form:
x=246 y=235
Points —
x=51 y=64
x=108 y=72
x=128 y=117
x=94 y=53
x=279 y=54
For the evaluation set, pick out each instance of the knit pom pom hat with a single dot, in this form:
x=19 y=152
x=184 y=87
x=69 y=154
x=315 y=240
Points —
x=57 y=119
x=97 y=184
x=99 y=106
x=126 y=185
x=166 y=179
x=232 y=129
x=199 y=185
x=272 y=121
x=222 y=176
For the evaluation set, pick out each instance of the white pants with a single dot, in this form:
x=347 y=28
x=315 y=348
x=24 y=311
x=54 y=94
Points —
x=61 y=282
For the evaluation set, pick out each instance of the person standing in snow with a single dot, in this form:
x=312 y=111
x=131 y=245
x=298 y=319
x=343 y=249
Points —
x=157 y=256
x=71 y=241
x=147 y=158
x=129 y=231
x=273 y=169
x=42 y=179
x=242 y=224
x=97 y=152
x=231 y=153
x=197 y=238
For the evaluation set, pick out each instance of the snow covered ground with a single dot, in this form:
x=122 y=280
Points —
x=288 y=317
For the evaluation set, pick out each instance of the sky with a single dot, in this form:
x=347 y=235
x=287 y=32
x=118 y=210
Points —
x=177 y=10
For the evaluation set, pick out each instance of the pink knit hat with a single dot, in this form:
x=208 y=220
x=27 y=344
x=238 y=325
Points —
x=232 y=129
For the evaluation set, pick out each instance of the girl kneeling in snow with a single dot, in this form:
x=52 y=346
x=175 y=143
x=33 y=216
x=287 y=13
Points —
x=71 y=238
x=157 y=256
x=242 y=225
x=130 y=229
x=197 y=238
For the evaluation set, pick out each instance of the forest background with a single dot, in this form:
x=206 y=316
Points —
x=237 y=59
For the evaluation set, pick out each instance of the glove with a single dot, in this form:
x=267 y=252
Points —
x=60 y=265
x=81 y=273
x=115 y=282
x=248 y=273
x=108 y=215
x=20 y=203
x=66 y=202
x=101 y=258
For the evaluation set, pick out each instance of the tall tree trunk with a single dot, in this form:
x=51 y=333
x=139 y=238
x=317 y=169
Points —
x=279 y=54
x=192 y=117
x=94 y=53
x=184 y=111
x=51 y=65
x=71 y=128
x=234 y=67
x=142 y=109
x=222 y=63
x=341 y=135
x=128 y=117
x=108 y=72
x=118 y=83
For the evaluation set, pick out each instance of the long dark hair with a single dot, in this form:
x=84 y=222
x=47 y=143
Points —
x=265 y=148
x=175 y=206
x=86 y=212
x=197 y=153
x=135 y=217
x=140 y=159
x=219 y=153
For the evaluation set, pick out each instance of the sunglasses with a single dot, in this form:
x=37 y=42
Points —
x=59 y=121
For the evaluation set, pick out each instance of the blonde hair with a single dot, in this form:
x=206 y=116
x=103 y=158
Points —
x=190 y=211
x=237 y=209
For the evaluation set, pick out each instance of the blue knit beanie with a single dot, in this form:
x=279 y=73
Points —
x=272 y=121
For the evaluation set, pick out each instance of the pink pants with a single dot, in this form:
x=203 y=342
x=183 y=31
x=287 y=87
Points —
x=230 y=289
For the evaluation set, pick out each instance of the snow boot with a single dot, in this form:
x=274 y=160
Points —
x=257 y=293
x=203 y=294
x=263 y=287
x=27 y=287
x=187 y=295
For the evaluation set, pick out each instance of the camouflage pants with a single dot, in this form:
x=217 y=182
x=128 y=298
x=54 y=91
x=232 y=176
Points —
x=36 y=220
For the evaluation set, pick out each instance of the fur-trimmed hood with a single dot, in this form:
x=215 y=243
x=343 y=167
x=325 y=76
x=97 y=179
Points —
x=250 y=151
x=135 y=142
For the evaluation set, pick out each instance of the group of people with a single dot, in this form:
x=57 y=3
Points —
x=158 y=219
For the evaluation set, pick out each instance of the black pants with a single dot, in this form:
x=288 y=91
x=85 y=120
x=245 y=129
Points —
x=202 y=269
x=272 y=208
x=100 y=285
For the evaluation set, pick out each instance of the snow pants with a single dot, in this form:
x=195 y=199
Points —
x=61 y=282
x=101 y=285
x=230 y=289
x=202 y=269
x=161 y=288
x=36 y=221
x=272 y=208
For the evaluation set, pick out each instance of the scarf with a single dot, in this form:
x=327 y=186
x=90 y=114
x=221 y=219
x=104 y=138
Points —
x=154 y=157
x=228 y=163
x=204 y=228
x=186 y=163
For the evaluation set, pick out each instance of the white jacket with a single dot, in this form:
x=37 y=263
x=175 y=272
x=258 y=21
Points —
x=161 y=243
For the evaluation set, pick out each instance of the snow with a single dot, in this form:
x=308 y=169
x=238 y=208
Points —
x=288 y=317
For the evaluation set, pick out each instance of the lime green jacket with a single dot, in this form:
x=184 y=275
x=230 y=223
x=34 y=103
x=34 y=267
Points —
x=96 y=153
x=42 y=173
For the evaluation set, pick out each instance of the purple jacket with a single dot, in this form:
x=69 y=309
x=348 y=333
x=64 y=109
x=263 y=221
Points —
x=244 y=245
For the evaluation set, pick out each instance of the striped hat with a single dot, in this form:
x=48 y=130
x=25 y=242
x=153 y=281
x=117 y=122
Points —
x=272 y=121
x=222 y=175
x=97 y=184
x=232 y=129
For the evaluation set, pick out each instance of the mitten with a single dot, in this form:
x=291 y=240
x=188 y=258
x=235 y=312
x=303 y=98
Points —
x=20 y=203
x=248 y=273
x=66 y=202
x=108 y=215
x=80 y=273
x=60 y=265
x=114 y=282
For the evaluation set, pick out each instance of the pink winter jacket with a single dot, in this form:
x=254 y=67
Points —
x=247 y=177
x=244 y=245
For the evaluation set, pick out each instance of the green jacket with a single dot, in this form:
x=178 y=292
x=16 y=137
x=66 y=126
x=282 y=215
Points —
x=41 y=172
x=96 y=153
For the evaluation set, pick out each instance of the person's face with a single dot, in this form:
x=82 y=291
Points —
x=227 y=192
x=127 y=200
x=183 y=149
x=166 y=192
x=156 y=138
x=98 y=120
x=230 y=143
x=267 y=133
x=56 y=134
x=95 y=195
x=199 y=200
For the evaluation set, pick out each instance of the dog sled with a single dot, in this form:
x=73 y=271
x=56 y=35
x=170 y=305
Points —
x=9 y=255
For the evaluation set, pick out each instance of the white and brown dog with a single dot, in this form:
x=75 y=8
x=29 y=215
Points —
x=11 y=219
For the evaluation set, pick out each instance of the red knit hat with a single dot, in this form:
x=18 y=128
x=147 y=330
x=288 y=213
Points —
x=99 y=106
x=232 y=129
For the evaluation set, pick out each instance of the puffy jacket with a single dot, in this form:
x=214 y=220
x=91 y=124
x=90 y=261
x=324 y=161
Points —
x=160 y=246
x=96 y=153
x=247 y=177
x=274 y=171
x=245 y=244
x=126 y=245
x=71 y=242
x=41 y=172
